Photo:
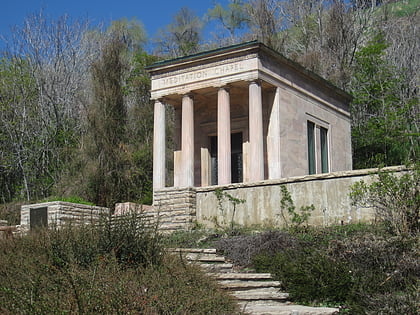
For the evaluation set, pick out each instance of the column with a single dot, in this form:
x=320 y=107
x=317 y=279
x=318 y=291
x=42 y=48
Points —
x=256 y=158
x=273 y=139
x=159 y=146
x=187 y=140
x=223 y=137
x=178 y=175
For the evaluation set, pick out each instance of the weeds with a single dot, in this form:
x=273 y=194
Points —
x=112 y=268
x=221 y=197
x=396 y=200
x=297 y=219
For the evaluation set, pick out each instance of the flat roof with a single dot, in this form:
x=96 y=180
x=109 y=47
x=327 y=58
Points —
x=256 y=46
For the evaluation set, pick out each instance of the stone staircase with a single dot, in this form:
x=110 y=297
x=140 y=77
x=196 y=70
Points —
x=256 y=293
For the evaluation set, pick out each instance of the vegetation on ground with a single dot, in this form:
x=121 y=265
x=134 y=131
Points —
x=111 y=268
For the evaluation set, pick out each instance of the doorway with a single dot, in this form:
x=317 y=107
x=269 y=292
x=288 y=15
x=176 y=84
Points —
x=236 y=158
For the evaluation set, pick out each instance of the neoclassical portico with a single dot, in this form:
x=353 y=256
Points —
x=246 y=114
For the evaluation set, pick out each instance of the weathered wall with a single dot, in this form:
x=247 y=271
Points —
x=174 y=208
x=60 y=212
x=329 y=193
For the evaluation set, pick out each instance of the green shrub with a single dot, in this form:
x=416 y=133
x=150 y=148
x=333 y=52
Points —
x=359 y=267
x=72 y=199
x=308 y=275
x=395 y=198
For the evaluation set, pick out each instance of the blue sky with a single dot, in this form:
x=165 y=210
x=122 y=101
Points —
x=154 y=14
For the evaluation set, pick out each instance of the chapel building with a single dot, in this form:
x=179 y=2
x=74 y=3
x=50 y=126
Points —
x=245 y=113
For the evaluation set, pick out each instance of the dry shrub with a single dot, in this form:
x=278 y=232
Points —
x=241 y=249
x=104 y=269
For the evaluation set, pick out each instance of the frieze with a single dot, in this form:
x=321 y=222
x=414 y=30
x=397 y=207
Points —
x=204 y=66
x=202 y=72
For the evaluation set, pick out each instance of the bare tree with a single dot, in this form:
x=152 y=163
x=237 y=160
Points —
x=182 y=36
x=44 y=128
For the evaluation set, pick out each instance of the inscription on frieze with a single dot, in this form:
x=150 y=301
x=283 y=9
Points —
x=200 y=74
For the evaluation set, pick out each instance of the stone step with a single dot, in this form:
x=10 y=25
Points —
x=242 y=276
x=204 y=257
x=260 y=294
x=249 y=284
x=217 y=267
x=279 y=308
x=193 y=250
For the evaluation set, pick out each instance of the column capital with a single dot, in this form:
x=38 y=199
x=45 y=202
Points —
x=256 y=81
x=189 y=95
x=225 y=87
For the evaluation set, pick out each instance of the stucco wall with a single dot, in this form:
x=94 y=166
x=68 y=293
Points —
x=329 y=193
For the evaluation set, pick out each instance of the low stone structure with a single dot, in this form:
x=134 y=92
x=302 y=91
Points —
x=57 y=213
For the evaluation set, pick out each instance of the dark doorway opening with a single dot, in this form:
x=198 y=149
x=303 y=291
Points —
x=236 y=158
x=38 y=217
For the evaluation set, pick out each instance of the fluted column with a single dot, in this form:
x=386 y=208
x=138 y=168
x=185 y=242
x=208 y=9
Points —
x=256 y=160
x=187 y=144
x=159 y=145
x=223 y=137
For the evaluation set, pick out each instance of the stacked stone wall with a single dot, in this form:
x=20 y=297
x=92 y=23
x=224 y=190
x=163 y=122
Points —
x=174 y=208
x=59 y=213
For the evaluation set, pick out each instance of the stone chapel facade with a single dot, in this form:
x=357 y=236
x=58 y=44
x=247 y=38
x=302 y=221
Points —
x=245 y=113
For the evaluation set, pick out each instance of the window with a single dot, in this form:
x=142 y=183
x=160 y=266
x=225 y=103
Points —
x=311 y=148
x=324 y=149
x=318 y=156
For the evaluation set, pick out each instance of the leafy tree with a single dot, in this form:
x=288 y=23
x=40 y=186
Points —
x=384 y=126
x=182 y=36
x=233 y=18
x=107 y=117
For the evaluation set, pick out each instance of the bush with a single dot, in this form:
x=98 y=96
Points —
x=10 y=212
x=241 y=249
x=308 y=275
x=356 y=266
x=111 y=268
x=395 y=198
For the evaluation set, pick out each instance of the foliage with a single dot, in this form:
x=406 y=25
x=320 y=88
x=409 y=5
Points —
x=232 y=18
x=72 y=199
x=384 y=125
x=107 y=269
x=241 y=249
x=223 y=195
x=308 y=275
x=182 y=36
x=395 y=198
x=10 y=212
x=195 y=238
x=358 y=270
x=286 y=204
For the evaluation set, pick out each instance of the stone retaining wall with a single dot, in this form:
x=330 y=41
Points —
x=329 y=193
x=174 y=208
x=59 y=213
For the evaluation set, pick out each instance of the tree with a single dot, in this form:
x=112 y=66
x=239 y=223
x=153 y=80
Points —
x=233 y=18
x=182 y=36
x=45 y=61
x=384 y=126
x=264 y=20
x=107 y=117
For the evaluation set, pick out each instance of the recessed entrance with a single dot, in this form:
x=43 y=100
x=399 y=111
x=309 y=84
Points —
x=236 y=158
x=38 y=217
